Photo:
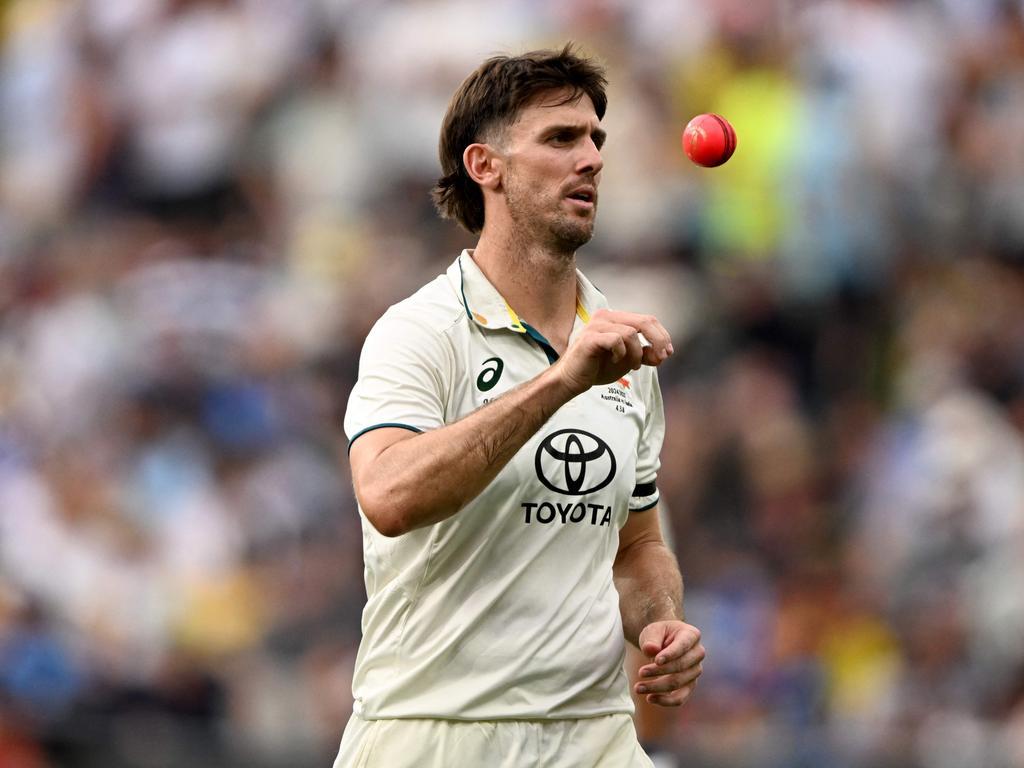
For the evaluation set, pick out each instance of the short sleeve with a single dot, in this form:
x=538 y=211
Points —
x=404 y=376
x=645 y=493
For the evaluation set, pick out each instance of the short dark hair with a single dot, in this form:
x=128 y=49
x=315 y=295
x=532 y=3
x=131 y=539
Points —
x=490 y=99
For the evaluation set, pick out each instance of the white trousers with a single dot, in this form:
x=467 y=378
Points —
x=608 y=741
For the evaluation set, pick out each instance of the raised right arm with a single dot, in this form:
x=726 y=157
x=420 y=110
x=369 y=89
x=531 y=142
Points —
x=405 y=480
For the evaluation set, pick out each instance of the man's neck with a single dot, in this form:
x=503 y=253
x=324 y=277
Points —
x=538 y=284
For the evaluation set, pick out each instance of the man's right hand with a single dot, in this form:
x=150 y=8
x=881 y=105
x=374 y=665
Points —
x=610 y=347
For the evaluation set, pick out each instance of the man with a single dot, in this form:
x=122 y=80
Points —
x=504 y=438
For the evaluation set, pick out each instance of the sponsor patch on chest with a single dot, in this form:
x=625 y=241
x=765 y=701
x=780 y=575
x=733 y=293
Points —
x=546 y=512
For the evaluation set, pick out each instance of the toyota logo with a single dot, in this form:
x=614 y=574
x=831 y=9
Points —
x=574 y=462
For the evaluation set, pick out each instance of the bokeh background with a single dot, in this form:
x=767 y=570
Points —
x=204 y=206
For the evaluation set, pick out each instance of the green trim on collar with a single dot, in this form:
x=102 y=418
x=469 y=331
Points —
x=462 y=287
x=490 y=310
x=537 y=336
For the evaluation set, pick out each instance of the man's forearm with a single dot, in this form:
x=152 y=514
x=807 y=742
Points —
x=649 y=585
x=429 y=477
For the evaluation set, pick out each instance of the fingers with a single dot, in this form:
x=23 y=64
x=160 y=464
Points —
x=670 y=690
x=683 y=638
x=622 y=341
x=669 y=640
x=670 y=683
x=634 y=349
x=678 y=661
x=614 y=343
x=659 y=345
x=608 y=349
x=691 y=658
x=674 y=699
x=653 y=638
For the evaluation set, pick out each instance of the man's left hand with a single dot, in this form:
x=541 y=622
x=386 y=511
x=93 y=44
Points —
x=677 y=655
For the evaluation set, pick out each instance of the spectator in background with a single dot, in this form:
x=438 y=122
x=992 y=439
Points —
x=185 y=280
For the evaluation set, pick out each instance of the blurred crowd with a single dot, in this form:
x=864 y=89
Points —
x=205 y=205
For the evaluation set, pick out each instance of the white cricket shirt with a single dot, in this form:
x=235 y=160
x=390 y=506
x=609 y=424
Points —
x=506 y=609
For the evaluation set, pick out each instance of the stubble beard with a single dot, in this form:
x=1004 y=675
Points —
x=560 y=232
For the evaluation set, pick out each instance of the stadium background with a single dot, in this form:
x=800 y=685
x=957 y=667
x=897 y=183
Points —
x=204 y=204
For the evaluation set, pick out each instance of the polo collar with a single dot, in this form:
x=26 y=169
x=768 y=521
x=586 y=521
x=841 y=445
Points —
x=488 y=309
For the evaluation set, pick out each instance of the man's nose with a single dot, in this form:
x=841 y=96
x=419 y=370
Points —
x=591 y=161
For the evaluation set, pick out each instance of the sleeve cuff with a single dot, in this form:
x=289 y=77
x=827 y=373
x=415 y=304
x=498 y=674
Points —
x=372 y=427
x=644 y=496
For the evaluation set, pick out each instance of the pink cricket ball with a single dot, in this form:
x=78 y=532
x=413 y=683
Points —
x=709 y=140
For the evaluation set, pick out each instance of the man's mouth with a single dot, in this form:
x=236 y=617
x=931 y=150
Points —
x=584 y=196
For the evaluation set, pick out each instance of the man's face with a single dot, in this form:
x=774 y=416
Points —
x=553 y=170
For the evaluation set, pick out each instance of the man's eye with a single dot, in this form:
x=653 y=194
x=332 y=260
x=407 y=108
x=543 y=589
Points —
x=562 y=138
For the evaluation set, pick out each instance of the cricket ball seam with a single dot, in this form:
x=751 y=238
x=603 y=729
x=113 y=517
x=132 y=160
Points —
x=730 y=139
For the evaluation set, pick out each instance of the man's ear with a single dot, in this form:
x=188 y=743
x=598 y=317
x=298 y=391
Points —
x=484 y=164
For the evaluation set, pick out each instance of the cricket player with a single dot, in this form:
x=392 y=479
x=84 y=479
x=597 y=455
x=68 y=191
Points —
x=504 y=439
